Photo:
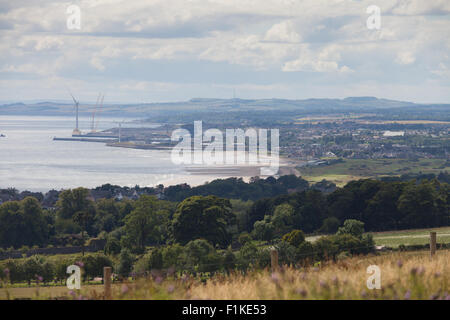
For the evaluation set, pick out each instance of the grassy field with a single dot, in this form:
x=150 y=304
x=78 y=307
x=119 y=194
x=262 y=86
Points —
x=407 y=237
x=351 y=169
x=404 y=275
x=410 y=237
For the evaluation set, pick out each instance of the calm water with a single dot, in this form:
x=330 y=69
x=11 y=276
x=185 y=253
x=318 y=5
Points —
x=31 y=160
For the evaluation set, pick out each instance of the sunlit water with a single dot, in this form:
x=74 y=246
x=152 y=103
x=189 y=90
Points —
x=31 y=160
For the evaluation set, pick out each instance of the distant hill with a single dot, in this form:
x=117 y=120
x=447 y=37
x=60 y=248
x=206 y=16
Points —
x=213 y=105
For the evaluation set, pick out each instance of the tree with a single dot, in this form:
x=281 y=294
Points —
x=200 y=256
x=352 y=227
x=32 y=268
x=22 y=223
x=34 y=225
x=207 y=217
x=126 y=260
x=83 y=219
x=229 y=260
x=264 y=229
x=144 y=224
x=330 y=225
x=247 y=255
x=418 y=206
x=72 y=201
x=282 y=218
x=112 y=246
x=382 y=212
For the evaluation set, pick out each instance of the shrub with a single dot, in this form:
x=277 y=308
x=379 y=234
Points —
x=200 y=255
x=172 y=256
x=286 y=253
x=125 y=265
x=330 y=225
x=294 y=238
x=352 y=227
x=229 y=260
x=247 y=255
x=244 y=237
x=112 y=246
x=304 y=252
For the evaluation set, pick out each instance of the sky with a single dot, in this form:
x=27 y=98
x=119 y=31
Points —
x=145 y=51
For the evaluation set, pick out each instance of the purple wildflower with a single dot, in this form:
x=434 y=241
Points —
x=125 y=289
x=275 y=277
x=408 y=295
x=302 y=292
x=323 y=284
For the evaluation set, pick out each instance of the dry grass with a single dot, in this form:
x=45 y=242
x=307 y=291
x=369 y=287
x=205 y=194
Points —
x=413 y=276
x=404 y=275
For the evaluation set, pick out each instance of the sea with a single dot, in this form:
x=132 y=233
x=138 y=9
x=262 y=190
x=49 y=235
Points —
x=31 y=160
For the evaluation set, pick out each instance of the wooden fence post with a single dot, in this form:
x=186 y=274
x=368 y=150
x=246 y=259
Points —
x=107 y=282
x=432 y=243
x=274 y=260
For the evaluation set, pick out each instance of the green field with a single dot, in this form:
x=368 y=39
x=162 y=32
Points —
x=351 y=169
x=407 y=237
x=411 y=237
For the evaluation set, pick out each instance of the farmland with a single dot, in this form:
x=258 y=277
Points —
x=410 y=237
x=352 y=169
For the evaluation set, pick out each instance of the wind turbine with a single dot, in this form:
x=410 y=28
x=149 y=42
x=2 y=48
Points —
x=93 y=128
x=76 y=131
x=99 y=111
x=120 y=129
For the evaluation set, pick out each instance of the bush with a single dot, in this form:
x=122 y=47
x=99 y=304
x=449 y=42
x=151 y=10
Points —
x=325 y=248
x=112 y=246
x=32 y=268
x=294 y=238
x=125 y=265
x=229 y=260
x=13 y=270
x=352 y=227
x=94 y=264
x=200 y=256
x=264 y=229
x=149 y=261
x=247 y=255
x=330 y=225
x=244 y=237
x=286 y=253
x=304 y=252
x=172 y=256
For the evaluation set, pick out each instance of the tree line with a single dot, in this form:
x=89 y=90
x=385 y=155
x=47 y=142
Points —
x=135 y=224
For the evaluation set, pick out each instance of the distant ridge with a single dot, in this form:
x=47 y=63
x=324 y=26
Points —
x=348 y=104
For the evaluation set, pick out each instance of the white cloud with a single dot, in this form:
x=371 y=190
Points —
x=442 y=71
x=263 y=38
x=282 y=32
x=405 y=57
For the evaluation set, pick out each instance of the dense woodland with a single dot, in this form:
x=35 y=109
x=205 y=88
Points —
x=204 y=232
